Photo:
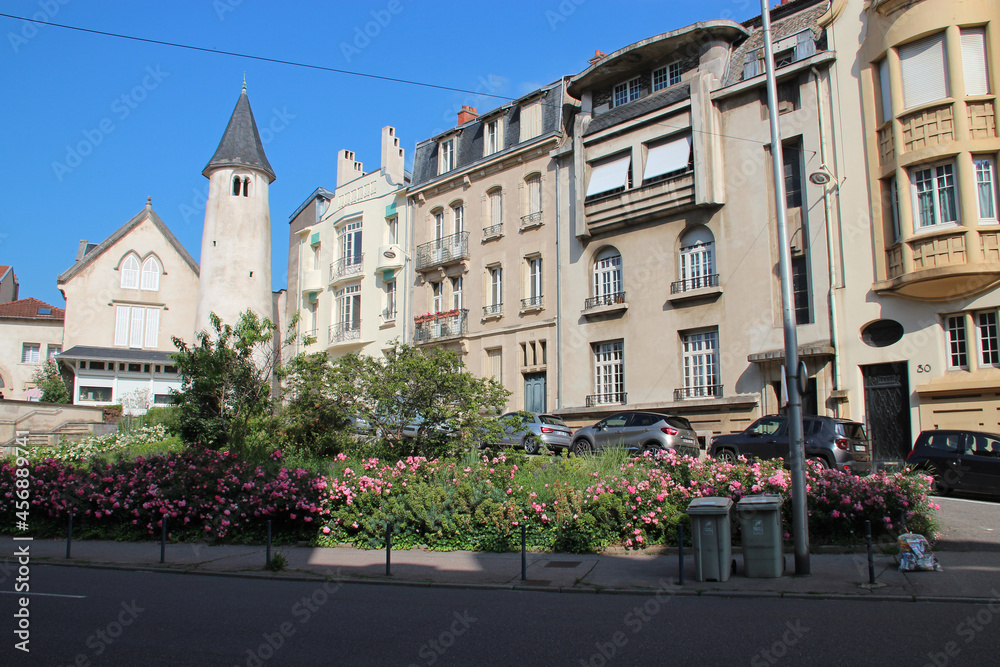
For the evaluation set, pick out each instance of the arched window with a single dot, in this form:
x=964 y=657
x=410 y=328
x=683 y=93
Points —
x=130 y=273
x=151 y=274
x=534 y=199
x=246 y=186
x=236 y=186
x=697 y=259
x=493 y=218
x=608 y=287
x=437 y=216
x=458 y=216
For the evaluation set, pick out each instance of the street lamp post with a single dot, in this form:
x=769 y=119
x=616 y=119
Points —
x=800 y=528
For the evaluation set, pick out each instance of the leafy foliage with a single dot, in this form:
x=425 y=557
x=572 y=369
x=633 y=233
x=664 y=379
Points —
x=54 y=387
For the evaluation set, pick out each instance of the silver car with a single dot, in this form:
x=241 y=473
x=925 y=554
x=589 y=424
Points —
x=531 y=430
x=638 y=432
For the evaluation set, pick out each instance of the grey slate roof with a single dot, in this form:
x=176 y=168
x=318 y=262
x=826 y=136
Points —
x=469 y=137
x=115 y=354
x=96 y=252
x=240 y=145
x=643 y=105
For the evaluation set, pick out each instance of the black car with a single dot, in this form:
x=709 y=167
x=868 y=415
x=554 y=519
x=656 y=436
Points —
x=959 y=460
x=835 y=443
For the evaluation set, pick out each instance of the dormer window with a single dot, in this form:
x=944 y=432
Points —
x=666 y=76
x=627 y=91
x=446 y=156
x=492 y=138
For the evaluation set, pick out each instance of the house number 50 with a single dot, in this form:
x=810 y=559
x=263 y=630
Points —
x=924 y=368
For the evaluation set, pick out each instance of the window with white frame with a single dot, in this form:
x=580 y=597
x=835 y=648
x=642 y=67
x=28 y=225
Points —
x=494 y=212
x=610 y=175
x=608 y=275
x=137 y=327
x=534 y=198
x=495 y=296
x=609 y=372
x=627 y=91
x=349 y=307
x=349 y=243
x=989 y=345
x=446 y=155
x=438 y=221
x=923 y=69
x=697 y=259
x=492 y=136
x=151 y=274
x=531 y=120
x=392 y=230
x=986 y=188
x=456 y=293
x=437 y=292
x=534 y=286
x=667 y=158
x=890 y=207
x=701 y=364
x=389 y=314
x=667 y=76
x=315 y=256
x=974 y=67
x=934 y=196
x=494 y=364
x=52 y=351
x=957 y=349
x=30 y=353
x=130 y=273
x=458 y=217
x=885 y=89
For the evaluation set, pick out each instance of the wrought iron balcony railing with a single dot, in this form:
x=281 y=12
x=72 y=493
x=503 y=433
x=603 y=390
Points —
x=493 y=310
x=436 y=327
x=345 y=331
x=704 y=391
x=493 y=231
x=531 y=302
x=389 y=314
x=694 y=283
x=443 y=251
x=531 y=220
x=348 y=266
x=614 y=398
x=604 y=300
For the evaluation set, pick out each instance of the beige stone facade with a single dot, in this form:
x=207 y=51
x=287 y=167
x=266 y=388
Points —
x=31 y=332
x=483 y=204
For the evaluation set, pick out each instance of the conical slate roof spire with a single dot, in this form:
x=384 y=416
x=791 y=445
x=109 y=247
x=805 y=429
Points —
x=240 y=145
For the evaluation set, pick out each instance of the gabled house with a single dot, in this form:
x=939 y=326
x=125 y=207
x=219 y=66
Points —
x=31 y=332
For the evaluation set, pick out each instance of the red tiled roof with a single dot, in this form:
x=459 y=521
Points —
x=28 y=309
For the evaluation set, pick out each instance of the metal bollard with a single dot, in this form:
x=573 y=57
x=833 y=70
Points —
x=871 y=555
x=388 y=548
x=524 y=555
x=163 y=538
x=69 y=535
x=267 y=561
x=680 y=554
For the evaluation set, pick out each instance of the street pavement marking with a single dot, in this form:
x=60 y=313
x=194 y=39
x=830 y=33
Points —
x=50 y=595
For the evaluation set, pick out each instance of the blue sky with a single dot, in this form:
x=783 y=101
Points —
x=92 y=125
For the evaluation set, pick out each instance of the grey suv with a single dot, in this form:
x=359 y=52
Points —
x=835 y=443
x=638 y=432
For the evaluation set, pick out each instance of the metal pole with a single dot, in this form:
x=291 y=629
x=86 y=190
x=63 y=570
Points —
x=800 y=528
x=268 y=555
x=163 y=538
x=680 y=554
x=524 y=555
x=871 y=555
x=69 y=535
x=388 y=547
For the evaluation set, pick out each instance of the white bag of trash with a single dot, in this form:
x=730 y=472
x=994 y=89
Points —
x=915 y=554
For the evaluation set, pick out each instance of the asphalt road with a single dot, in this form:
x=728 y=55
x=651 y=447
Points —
x=968 y=524
x=85 y=616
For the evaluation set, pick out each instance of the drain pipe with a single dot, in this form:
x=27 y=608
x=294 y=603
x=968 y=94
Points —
x=831 y=256
x=559 y=376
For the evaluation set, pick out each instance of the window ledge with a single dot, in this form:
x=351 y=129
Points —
x=694 y=294
x=531 y=309
x=492 y=316
x=598 y=311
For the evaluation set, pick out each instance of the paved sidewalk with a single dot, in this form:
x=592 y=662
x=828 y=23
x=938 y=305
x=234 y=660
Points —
x=966 y=576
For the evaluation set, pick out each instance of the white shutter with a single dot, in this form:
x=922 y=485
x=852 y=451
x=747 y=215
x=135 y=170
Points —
x=135 y=334
x=883 y=79
x=121 y=325
x=609 y=175
x=667 y=157
x=152 y=326
x=925 y=78
x=974 y=61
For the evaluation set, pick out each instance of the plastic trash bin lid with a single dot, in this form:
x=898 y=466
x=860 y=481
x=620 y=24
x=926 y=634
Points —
x=710 y=505
x=770 y=501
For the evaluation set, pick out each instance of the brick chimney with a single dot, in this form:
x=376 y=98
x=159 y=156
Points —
x=466 y=114
x=598 y=55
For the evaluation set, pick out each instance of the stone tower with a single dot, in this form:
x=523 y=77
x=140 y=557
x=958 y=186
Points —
x=236 y=241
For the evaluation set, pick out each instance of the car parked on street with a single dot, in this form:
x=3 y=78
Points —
x=532 y=430
x=834 y=443
x=638 y=431
x=959 y=460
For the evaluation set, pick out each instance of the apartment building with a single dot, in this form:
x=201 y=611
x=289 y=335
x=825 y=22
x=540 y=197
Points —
x=916 y=177
x=347 y=258
x=671 y=296
x=483 y=202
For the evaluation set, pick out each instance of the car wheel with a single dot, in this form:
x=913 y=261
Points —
x=531 y=444
x=726 y=455
x=581 y=447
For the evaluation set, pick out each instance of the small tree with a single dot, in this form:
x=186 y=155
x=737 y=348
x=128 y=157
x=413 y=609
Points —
x=48 y=378
x=312 y=418
x=226 y=381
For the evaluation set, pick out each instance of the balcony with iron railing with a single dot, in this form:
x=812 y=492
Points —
x=441 y=252
x=389 y=314
x=700 y=287
x=347 y=267
x=532 y=303
x=614 y=398
x=704 y=391
x=531 y=220
x=652 y=199
x=493 y=231
x=493 y=310
x=343 y=332
x=612 y=303
x=440 y=326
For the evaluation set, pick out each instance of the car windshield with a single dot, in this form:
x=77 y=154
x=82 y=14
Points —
x=551 y=420
x=678 y=422
x=851 y=430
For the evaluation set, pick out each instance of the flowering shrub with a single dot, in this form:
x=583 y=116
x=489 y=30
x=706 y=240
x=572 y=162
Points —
x=103 y=445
